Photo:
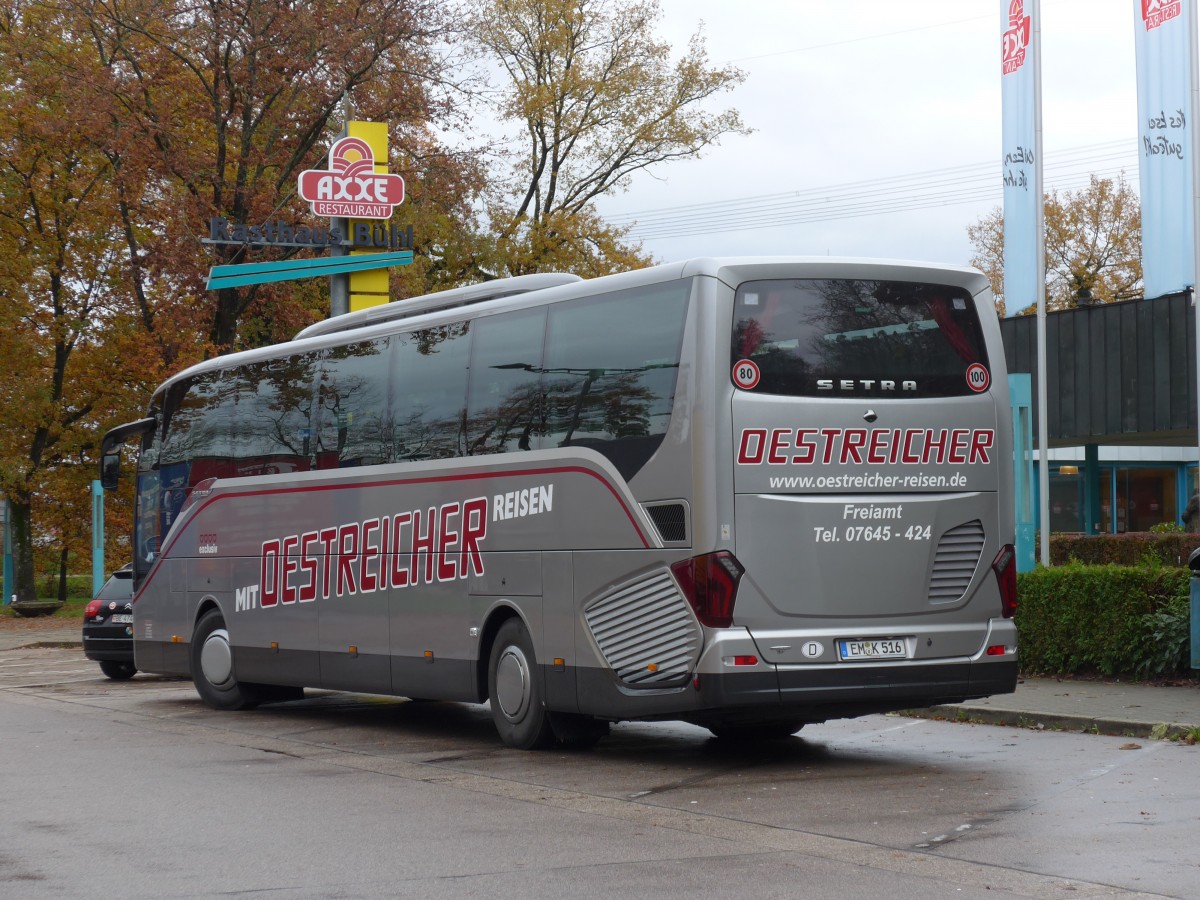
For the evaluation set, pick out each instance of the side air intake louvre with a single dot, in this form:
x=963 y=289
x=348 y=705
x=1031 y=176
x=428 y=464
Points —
x=670 y=519
x=646 y=632
x=955 y=561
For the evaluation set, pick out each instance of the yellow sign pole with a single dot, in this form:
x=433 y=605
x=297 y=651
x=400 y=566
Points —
x=370 y=287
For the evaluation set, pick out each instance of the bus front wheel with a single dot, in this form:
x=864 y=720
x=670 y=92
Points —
x=515 y=690
x=212 y=666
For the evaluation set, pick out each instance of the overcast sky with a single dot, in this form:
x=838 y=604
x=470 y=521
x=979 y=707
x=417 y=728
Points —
x=877 y=125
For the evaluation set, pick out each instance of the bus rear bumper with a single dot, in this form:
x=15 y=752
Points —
x=815 y=694
x=805 y=694
x=885 y=688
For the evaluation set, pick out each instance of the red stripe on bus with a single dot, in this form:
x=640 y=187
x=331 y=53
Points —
x=471 y=476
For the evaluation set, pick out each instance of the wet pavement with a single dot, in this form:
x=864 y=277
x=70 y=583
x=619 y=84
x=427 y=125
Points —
x=1104 y=707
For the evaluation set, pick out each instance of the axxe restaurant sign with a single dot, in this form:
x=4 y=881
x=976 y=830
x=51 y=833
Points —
x=350 y=188
x=355 y=185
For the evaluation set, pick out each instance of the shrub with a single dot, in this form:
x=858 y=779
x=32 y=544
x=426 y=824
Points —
x=1167 y=646
x=77 y=586
x=1171 y=548
x=1111 y=620
x=1167 y=528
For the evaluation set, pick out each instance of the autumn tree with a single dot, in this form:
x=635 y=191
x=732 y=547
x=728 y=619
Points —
x=62 y=295
x=124 y=128
x=597 y=98
x=1093 y=245
x=236 y=97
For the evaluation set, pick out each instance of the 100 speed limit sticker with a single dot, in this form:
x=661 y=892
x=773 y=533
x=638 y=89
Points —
x=978 y=377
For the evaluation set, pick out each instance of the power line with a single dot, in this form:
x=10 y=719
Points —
x=984 y=173
x=969 y=183
x=985 y=169
x=838 y=208
x=950 y=198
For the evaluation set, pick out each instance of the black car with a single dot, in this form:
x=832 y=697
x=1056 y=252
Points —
x=108 y=626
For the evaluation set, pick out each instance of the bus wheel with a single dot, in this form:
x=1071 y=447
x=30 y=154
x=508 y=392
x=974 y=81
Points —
x=514 y=690
x=756 y=731
x=212 y=666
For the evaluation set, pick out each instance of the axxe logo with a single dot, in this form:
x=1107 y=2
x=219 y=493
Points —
x=351 y=188
x=1156 y=12
x=1016 y=39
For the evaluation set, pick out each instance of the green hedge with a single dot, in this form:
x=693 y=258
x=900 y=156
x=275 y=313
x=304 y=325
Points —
x=1116 y=621
x=1169 y=548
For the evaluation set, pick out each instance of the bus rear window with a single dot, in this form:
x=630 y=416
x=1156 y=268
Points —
x=855 y=338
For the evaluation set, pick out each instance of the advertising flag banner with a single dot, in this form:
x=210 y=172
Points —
x=1019 y=95
x=1164 y=30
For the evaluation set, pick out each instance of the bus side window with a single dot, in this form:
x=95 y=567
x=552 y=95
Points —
x=611 y=366
x=504 y=409
x=352 y=406
x=431 y=392
x=199 y=440
x=149 y=517
x=274 y=413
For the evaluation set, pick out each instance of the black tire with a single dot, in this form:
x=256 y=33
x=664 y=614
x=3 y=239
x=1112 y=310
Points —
x=756 y=731
x=118 y=671
x=212 y=666
x=515 y=690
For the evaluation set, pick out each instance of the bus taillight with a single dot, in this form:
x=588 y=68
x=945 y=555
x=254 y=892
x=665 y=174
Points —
x=1005 y=567
x=710 y=583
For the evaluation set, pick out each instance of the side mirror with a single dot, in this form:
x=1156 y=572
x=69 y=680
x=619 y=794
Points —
x=110 y=469
x=110 y=449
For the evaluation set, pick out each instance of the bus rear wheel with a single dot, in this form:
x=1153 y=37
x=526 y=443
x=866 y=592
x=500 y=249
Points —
x=212 y=666
x=515 y=690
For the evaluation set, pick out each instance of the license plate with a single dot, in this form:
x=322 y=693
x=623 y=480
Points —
x=122 y=619
x=876 y=648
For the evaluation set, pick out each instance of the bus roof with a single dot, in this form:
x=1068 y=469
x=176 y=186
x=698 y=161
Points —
x=449 y=299
x=515 y=292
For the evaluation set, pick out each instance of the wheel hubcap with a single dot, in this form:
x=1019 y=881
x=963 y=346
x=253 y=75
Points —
x=216 y=659
x=513 y=683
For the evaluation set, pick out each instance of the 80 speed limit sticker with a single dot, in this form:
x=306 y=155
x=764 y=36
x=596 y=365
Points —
x=746 y=374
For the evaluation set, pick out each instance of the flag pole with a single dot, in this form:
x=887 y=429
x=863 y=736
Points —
x=1193 y=111
x=1039 y=230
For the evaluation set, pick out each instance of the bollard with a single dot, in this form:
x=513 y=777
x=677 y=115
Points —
x=1194 y=565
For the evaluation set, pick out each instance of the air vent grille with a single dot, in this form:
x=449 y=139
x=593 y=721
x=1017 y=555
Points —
x=646 y=632
x=670 y=519
x=955 y=562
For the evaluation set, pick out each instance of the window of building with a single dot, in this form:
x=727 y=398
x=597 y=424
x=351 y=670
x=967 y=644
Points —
x=1138 y=498
x=1066 y=499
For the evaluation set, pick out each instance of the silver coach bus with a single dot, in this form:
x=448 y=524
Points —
x=746 y=493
